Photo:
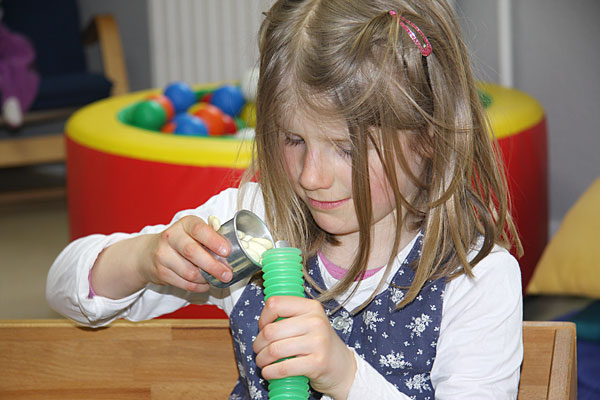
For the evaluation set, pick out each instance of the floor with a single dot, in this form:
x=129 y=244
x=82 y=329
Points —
x=32 y=233
x=35 y=230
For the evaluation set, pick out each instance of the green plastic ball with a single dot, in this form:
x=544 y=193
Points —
x=149 y=115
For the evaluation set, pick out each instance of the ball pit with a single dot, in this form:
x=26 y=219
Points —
x=121 y=177
x=181 y=110
x=519 y=124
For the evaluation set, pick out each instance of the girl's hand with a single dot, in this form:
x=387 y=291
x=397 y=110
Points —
x=306 y=335
x=172 y=257
x=177 y=255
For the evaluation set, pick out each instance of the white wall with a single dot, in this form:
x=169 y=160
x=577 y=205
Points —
x=557 y=61
x=203 y=40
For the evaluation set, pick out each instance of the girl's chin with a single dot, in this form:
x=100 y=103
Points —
x=334 y=225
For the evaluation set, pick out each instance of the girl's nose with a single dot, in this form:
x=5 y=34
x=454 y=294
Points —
x=317 y=172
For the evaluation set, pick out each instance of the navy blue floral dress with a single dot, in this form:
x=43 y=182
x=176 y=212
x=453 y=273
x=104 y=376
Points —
x=400 y=345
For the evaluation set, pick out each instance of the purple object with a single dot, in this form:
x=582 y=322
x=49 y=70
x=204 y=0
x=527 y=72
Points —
x=18 y=78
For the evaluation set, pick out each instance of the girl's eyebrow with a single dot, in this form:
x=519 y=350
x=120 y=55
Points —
x=341 y=142
x=339 y=137
x=289 y=131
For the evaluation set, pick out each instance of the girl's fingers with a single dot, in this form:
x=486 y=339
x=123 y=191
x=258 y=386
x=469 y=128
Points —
x=196 y=254
x=191 y=246
x=295 y=346
x=171 y=260
x=200 y=231
x=277 y=331
x=296 y=366
x=170 y=277
x=305 y=319
x=286 y=307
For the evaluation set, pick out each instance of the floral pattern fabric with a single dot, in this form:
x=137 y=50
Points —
x=399 y=344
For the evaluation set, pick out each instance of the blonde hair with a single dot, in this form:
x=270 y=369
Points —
x=351 y=58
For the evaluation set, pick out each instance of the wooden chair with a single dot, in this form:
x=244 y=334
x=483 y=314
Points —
x=549 y=369
x=67 y=83
x=183 y=359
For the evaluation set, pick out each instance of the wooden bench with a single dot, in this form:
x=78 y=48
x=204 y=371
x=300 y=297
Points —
x=185 y=359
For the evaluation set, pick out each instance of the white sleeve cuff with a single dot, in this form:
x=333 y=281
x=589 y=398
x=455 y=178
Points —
x=99 y=310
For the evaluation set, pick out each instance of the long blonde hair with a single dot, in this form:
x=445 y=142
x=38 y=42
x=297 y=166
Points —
x=351 y=58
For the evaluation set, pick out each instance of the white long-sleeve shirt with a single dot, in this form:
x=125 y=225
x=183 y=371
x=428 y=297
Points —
x=479 y=349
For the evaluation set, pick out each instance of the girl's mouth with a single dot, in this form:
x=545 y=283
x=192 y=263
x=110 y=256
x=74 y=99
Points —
x=327 y=205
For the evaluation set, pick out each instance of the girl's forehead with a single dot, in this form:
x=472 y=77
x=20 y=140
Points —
x=304 y=122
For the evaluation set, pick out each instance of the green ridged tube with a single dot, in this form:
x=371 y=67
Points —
x=282 y=274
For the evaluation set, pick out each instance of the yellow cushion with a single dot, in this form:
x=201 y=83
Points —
x=570 y=264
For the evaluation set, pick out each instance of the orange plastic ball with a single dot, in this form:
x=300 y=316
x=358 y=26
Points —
x=213 y=118
x=169 y=127
x=165 y=103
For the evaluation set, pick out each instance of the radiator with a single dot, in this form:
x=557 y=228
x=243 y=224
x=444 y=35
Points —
x=198 y=41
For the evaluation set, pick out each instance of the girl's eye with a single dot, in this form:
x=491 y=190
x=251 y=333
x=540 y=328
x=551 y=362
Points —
x=292 y=140
x=345 y=151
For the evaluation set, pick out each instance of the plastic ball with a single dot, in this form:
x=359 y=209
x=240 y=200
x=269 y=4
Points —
x=213 y=118
x=169 y=127
x=230 y=125
x=165 y=103
x=186 y=124
x=249 y=84
x=126 y=115
x=240 y=124
x=181 y=95
x=245 y=134
x=203 y=94
x=148 y=114
x=192 y=110
x=207 y=98
x=248 y=114
x=229 y=99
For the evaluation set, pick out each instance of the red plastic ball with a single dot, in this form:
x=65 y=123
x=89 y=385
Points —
x=230 y=125
x=206 y=98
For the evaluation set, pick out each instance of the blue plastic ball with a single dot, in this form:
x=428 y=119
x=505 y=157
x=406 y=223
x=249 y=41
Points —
x=189 y=125
x=229 y=99
x=181 y=95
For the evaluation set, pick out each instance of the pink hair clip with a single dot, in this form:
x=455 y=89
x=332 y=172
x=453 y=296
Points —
x=426 y=48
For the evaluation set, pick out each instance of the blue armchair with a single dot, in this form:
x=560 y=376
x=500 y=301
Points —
x=66 y=83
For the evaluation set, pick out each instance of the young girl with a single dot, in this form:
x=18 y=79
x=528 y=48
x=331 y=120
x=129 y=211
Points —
x=373 y=156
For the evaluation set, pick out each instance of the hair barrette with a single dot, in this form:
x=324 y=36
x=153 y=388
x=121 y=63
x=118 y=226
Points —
x=426 y=48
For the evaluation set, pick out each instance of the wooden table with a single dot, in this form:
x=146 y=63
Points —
x=193 y=359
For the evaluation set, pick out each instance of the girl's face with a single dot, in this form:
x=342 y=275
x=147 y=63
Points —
x=317 y=157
